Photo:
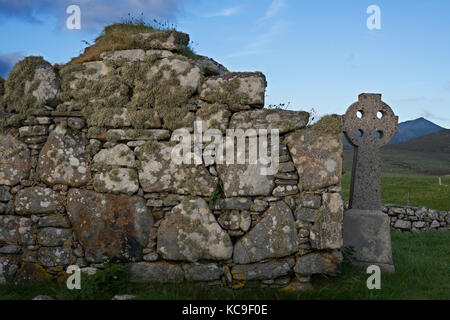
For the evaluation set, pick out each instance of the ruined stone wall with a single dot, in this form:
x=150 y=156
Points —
x=86 y=175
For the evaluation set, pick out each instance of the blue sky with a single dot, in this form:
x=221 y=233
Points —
x=315 y=54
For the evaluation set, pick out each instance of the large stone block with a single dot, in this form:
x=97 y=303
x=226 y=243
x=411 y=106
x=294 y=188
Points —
x=236 y=89
x=326 y=233
x=269 y=119
x=16 y=230
x=119 y=155
x=316 y=153
x=15 y=162
x=159 y=173
x=368 y=234
x=275 y=236
x=319 y=263
x=117 y=180
x=157 y=272
x=38 y=200
x=262 y=271
x=64 y=160
x=191 y=233
x=109 y=226
x=53 y=237
x=202 y=272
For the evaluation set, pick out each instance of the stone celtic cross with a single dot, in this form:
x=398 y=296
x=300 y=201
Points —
x=368 y=124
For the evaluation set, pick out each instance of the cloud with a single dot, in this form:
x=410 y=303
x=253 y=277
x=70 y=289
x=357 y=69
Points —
x=94 y=13
x=274 y=8
x=7 y=62
x=228 y=12
x=431 y=116
x=263 y=39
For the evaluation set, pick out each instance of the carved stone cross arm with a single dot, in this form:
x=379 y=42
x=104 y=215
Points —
x=369 y=124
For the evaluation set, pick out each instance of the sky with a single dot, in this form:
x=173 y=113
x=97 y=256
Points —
x=315 y=54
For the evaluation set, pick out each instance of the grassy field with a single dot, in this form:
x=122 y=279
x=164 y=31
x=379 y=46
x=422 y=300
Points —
x=404 y=171
x=422 y=262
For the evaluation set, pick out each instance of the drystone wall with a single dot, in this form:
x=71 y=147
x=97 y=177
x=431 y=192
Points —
x=415 y=219
x=86 y=174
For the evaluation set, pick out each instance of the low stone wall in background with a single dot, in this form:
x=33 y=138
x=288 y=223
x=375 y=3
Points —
x=415 y=219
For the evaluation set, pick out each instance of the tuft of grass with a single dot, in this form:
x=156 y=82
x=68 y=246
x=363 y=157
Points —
x=124 y=35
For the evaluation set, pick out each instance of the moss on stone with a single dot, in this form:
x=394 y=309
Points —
x=329 y=124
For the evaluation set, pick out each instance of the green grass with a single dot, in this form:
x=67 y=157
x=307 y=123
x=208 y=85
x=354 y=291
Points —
x=404 y=171
x=424 y=190
x=422 y=262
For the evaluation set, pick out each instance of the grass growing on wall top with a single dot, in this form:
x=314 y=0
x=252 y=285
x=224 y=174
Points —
x=422 y=271
x=122 y=36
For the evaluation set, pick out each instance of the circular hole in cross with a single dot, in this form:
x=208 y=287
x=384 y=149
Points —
x=359 y=114
x=359 y=133
x=379 y=114
x=379 y=134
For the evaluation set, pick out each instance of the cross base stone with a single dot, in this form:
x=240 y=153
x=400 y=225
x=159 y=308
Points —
x=368 y=232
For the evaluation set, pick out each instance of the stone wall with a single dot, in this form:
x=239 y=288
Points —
x=86 y=175
x=415 y=219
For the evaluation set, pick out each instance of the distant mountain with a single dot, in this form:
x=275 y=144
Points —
x=437 y=142
x=412 y=129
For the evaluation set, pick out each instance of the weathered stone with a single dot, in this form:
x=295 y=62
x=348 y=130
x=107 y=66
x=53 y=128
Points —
x=55 y=220
x=213 y=116
x=435 y=224
x=32 y=131
x=10 y=249
x=210 y=67
x=129 y=55
x=319 y=263
x=259 y=205
x=202 y=272
x=47 y=84
x=15 y=162
x=235 y=220
x=248 y=89
x=310 y=201
x=159 y=173
x=282 y=182
x=326 y=233
x=8 y=269
x=38 y=200
x=170 y=40
x=306 y=214
x=402 y=224
x=283 y=191
x=374 y=133
x=316 y=153
x=112 y=226
x=53 y=257
x=232 y=204
x=283 y=120
x=275 y=236
x=261 y=271
x=16 y=231
x=157 y=272
x=286 y=175
x=63 y=159
x=53 y=237
x=419 y=224
x=190 y=232
x=118 y=180
x=186 y=73
x=132 y=135
x=120 y=155
x=5 y=195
